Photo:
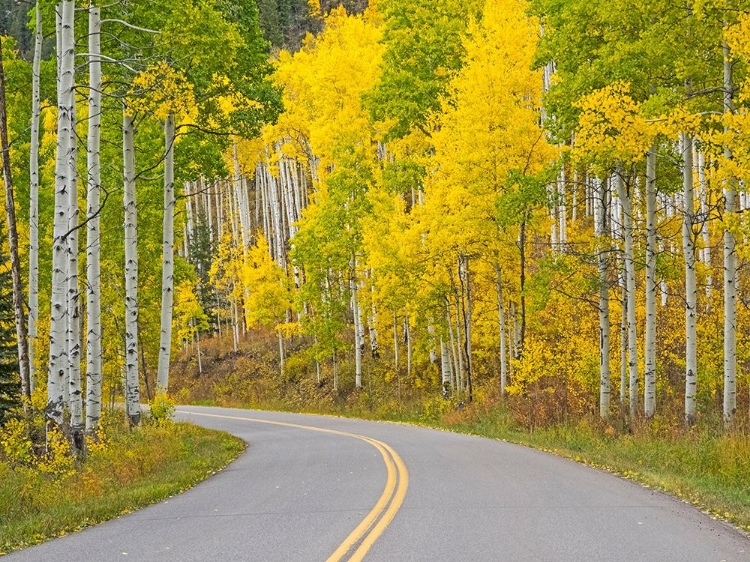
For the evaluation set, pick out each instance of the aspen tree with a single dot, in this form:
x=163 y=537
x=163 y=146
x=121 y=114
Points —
x=93 y=231
x=58 y=359
x=691 y=292
x=132 y=387
x=649 y=371
x=600 y=210
x=34 y=199
x=165 y=343
x=730 y=262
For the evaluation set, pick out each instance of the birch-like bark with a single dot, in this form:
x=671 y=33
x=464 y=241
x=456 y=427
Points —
x=466 y=282
x=58 y=352
x=167 y=259
x=501 y=321
x=219 y=213
x=630 y=284
x=623 y=345
x=563 y=209
x=649 y=373
x=407 y=337
x=730 y=264
x=93 y=230
x=358 y=345
x=34 y=199
x=75 y=393
x=601 y=214
x=282 y=356
x=372 y=322
x=574 y=203
x=705 y=254
x=237 y=179
x=454 y=355
x=235 y=325
x=395 y=342
x=132 y=390
x=445 y=368
x=691 y=292
x=459 y=352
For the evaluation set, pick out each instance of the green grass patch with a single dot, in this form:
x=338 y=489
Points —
x=125 y=471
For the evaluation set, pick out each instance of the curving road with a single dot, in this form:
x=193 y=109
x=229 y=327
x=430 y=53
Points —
x=313 y=488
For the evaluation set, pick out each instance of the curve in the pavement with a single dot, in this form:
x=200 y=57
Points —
x=296 y=495
x=361 y=539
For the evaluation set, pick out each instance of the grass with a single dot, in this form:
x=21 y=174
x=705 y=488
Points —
x=133 y=469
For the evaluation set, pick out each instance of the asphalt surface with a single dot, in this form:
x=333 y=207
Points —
x=297 y=494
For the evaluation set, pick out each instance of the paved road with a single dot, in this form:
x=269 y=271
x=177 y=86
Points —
x=298 y=495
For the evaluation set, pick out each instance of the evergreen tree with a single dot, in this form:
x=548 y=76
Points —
x=9 y=383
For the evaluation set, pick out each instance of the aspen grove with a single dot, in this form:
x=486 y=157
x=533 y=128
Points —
x=534 y=201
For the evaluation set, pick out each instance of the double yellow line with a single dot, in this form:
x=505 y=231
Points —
x=360 y=540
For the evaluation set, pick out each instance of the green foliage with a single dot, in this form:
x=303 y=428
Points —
x=10 y=381
x=423 y=53
x=162 y=409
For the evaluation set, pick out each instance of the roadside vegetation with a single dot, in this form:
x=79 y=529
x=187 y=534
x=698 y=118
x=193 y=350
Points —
x=45 y=494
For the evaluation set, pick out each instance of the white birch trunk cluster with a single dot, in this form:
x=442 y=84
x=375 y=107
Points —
x=57 y=380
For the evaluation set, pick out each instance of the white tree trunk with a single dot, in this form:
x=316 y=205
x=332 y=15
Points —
x=445 y=368
x=730 y=266
x=623 y=345
x=219 y=213
x=454 y=354
x=235 y=325
x=630 y=284
x=237 y=179
x=459 y=352
x=372 y=322
x=600 y=220
x=34 y=201
x=501 y=320
x=563 y=209
x=407 y=337
x=358 y=345
x=167 y=259
x=705 y=254
x=93 y=231
x=74 y=293
x=191 y=215
x=650 y=344
x=132 y=390
x=574 y=203
x=395 y=342
x=691 y=292
x=58 y=360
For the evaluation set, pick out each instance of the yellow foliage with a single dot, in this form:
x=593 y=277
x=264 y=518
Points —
x=267 y=294
x=59 y=461
x=323 y=86
x=16 y=443
x=611 y=128
x=161 y=90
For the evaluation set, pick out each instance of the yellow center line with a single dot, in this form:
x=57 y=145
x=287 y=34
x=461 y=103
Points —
x=393 y=495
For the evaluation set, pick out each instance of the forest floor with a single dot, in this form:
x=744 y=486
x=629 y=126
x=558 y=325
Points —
x=123 y=471
x=702 y=465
